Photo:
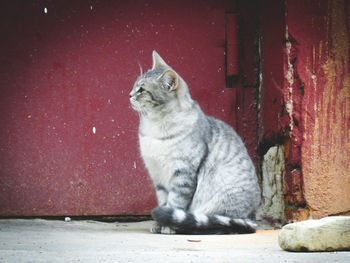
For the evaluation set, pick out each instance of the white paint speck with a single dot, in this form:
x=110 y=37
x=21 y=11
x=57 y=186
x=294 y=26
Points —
x=94 y=130
x=91 y=7
x=134 y=165
x=45 y=10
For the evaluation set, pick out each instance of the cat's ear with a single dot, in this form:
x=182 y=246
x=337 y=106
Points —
x=169 y=80
x=157 y=60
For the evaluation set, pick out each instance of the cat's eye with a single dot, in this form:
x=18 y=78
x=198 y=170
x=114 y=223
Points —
x=140 y=90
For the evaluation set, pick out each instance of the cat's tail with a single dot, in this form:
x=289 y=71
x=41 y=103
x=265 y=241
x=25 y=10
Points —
x=188 y=223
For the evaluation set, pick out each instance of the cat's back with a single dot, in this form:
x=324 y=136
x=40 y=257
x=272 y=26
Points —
x=223 y=135
x=227 y=151
x=226 y=173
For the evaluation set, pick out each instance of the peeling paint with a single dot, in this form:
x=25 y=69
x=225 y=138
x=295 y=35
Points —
x=326 y=147
x=311 y=103
x=290 y=79
x=293 y=92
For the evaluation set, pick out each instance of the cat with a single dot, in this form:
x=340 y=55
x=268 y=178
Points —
x=204 y=179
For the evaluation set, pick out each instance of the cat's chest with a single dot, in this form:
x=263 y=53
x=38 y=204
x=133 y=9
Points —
x=154 y=148
x=155 y=154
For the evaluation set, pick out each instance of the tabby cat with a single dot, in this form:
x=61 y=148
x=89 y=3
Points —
x=204 y=179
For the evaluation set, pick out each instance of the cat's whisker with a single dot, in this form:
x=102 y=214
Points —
x=140 y=67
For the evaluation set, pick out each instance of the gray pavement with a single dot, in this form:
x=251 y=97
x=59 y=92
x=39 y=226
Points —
x=90 y=241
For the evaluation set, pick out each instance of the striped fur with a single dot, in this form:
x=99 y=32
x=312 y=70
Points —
x=188 y=223
x=203 y=176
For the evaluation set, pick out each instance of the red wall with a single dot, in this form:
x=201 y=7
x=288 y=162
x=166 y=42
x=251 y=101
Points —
x=68 y=142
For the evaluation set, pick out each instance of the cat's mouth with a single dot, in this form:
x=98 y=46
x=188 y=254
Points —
x=135 y=104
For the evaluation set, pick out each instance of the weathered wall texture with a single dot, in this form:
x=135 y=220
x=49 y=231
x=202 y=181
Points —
x=320 y=33
x=305 y=102
x=280 y=107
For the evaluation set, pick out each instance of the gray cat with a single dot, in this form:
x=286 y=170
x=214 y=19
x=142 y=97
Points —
x=204 y=179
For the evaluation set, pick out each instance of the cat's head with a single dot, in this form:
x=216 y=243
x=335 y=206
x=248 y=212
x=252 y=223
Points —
x=160 y=90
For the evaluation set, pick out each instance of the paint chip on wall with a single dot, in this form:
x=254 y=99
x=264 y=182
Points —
x=94 y=130
x=45 y=10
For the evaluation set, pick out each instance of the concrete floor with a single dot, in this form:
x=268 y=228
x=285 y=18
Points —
x=90 y=241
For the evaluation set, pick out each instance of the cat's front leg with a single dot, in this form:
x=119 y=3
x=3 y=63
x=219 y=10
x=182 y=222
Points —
x=181 y=189
x=162 y=194
x=162 y=198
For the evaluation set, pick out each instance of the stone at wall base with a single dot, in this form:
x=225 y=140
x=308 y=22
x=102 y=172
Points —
x=326 y=234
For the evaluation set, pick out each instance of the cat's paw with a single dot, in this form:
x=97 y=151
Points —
x=156 y=228
x=167 y=230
